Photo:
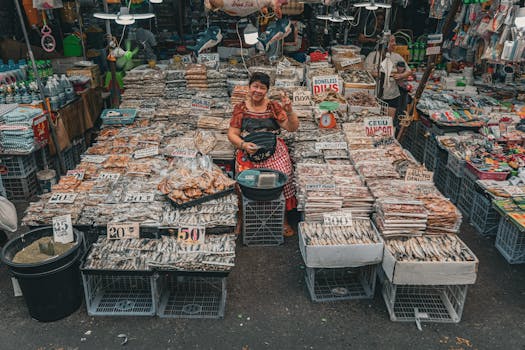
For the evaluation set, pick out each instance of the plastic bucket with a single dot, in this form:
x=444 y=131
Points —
x=46 y=179
x=52 y=288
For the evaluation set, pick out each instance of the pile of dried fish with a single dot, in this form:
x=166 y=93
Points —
x=196 y=76
x=360 y=232
x=357 y=77
x=396 y=216
x=444 y=248
x=217 y=253
x=362 y=99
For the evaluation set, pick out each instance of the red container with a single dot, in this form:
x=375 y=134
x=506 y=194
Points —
x=487 y=175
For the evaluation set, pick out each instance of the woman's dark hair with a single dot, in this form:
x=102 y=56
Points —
x=262 y=78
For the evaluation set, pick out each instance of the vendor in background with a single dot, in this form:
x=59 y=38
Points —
x=370 y=30
x=259 y=114
x=391 y=93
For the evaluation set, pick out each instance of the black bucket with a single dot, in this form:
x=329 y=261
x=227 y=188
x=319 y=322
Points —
x=52 y=288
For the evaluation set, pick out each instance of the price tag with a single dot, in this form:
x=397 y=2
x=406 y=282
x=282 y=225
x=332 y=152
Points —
x=350 y=61
x=183 y=153
x=90 y=158
x=320 y=187
x=434 y=39
x=139 y=197
x=16 y=287
x=191 y=234
x=146 y=152
x=418 y=174
x=63 y=229
x=63 y=198
x=379 y=126
x=209 y=59
x=433 y=50
x=330 y=145
x=109 y=177
x=77 y=174
x=122 y=230
x=385 y=141
x=337 y=219
x=200 y=104
x=323 y=83
x=302 y=97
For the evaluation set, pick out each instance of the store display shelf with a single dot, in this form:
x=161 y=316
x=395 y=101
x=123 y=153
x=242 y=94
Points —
x=341 y=283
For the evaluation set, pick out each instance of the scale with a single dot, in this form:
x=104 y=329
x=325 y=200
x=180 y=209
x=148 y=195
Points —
x=328 y=120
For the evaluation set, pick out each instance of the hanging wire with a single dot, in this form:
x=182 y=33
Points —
x=242 y=49
x=366 y=23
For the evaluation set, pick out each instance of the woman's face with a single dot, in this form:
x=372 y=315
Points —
x=258 y=91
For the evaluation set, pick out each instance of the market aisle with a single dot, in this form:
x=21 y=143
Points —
x=268 y=308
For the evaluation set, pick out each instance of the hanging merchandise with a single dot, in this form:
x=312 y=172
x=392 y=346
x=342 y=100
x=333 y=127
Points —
x=276 y=31
x=47 y=4
x=244 y=8
x=47 y=41
x=207 y=39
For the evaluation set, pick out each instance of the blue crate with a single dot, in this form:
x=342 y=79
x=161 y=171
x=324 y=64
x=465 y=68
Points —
x=510 y=241
x=125 y=116
x=485 y=218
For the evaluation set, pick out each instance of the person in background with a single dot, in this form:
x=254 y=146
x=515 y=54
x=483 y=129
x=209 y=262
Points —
x=390 y=93
x=258 y=114
x=370 y=30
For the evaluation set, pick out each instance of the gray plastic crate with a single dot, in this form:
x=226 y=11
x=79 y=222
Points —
x=191 y=296
x=79 y=147
x=21 y=190
x=341 y=283
x=119 y=294
x=412 y=303
x=408 y=138
x=456 y=165
x=69 y=159
x=510 y=241
x=431 y=153
x=420 y=142
x=484 y=218
x=17 y=167
x=2 y=188
x=467 y=193
x=453 y=186
x=441 y=177
x=262 y=222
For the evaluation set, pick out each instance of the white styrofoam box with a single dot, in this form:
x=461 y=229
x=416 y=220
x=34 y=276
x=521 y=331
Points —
x=336 y=256
x=430 y=273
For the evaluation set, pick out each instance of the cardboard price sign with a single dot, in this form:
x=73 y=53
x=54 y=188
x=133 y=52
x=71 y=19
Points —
x=320 y=187
x=183 y=153
x=302 y=98
x=330 y=145
x=63 y=229
x=110 y=177
x=379 y=126
x=191 y=234
x=337 y=219
x=77 y=174
x=418 y=174
x=94 y=159
x=200 y=104
x=209 y=59
x=146 y=152
x=63 y=198
x=323 y=83
x=123 y=230
x=138 y=197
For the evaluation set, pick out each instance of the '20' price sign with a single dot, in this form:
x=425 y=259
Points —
x=191 y=234
x=123 y=230
x=63 y=229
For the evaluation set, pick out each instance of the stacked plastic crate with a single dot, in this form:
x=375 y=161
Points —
x=510 y=237
x=263 y=222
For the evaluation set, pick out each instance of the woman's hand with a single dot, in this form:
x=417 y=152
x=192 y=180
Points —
x=250 y=147
x=286 y=103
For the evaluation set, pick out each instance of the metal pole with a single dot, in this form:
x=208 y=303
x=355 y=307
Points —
x=81 y=28
x=54 y=137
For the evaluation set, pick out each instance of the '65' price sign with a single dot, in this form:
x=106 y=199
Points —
x=191 y=234
x=62 y=229
x=122 y=230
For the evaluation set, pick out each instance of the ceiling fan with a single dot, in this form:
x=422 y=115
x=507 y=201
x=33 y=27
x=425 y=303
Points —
x=123 y=17
x=372 y=5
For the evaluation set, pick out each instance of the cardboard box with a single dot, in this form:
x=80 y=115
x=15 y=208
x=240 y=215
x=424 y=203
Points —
x=92 y=73
x=430 y=273
x=335 y=256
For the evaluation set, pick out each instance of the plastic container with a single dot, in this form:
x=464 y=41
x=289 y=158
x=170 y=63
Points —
x=46 y=179
x=487 y=175
x=248 y=181
x=51 y=288
x=72 y=46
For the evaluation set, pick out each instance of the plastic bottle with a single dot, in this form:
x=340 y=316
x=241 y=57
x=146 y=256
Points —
x=23 y=68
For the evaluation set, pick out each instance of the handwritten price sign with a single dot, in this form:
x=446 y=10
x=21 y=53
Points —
x=63 y=198
x=63 y=229
x=191 y=234
x=123 y=230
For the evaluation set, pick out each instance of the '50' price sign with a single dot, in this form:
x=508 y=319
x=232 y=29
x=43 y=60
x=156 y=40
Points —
x=191 y=234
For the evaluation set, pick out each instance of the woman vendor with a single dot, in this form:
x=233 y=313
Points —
x=259 y=114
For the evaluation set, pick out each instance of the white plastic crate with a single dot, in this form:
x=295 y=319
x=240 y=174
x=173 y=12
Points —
x=484 y=217
x=2 y=188
x=415 y=303
x=17 y=167
x=189 y=296
x=341 y=283
x=119 y=293
x=21 y=190
x=263 y=222
x=467 y=193
x=510 y=241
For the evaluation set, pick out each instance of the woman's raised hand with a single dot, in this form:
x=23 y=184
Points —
x=286 y=102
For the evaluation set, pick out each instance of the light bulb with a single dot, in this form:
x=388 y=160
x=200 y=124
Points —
x=251 y=34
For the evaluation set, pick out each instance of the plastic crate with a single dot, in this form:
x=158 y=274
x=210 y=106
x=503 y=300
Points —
x=262 y=221
x=79 y=147
x=43 y=158
x=119 y=293
x=484 y=218
x=441 y=177
x=2 y=188
x=467 y=193
x=431 y=153
x=455 y=164
x=413 y=303
x=420 y=142
x=126 y=116
x=453 y=186
x=69 y=160
x=341 y=283
x=510 y=241
x=191 y=296
x=16 y=167
x=487 y=175
x=21 y=190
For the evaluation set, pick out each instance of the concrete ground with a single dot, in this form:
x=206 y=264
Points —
x=268 y=307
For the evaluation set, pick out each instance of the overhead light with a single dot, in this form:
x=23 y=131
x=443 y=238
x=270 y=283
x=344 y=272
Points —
x=251 y=34
x=124 y=22
x=519 y=21
x=372 y=5
x=155 y=1
x=123 y=17
x=323 y=17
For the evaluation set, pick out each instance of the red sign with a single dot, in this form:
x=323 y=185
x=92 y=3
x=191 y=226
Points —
x=41 y=130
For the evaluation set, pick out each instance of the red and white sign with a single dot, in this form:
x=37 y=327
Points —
x=379 y=126
x=323 y=83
